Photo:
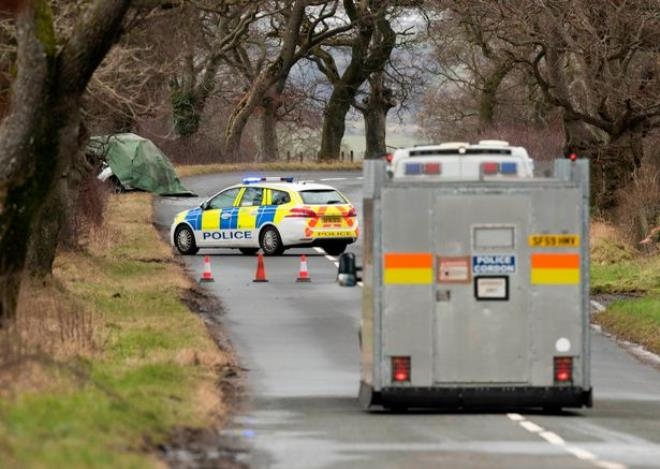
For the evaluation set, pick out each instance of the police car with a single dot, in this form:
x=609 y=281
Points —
x=271 y=214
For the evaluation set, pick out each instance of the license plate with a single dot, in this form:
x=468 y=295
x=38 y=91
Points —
x=332 y=219
x=554 y=241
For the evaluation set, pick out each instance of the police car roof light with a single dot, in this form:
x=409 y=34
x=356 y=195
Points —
x=252 y=180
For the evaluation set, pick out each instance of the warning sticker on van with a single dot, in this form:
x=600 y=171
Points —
x=494 y=264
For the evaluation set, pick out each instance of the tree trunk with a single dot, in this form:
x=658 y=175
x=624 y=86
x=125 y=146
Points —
x=375 y=31
x=35 y=145
x=242 y=112
x=375 y=110
x=488 y=98
x=58 y=212
x=268 y=132
x=334 y=121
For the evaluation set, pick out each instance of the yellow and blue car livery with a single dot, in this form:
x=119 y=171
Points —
x=271 y=215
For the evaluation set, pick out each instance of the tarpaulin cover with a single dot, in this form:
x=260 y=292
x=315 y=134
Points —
x=138 y=163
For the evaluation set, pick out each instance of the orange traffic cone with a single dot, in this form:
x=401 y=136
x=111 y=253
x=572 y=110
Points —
x=207 y=276
x=303 y=275
x=261 y=270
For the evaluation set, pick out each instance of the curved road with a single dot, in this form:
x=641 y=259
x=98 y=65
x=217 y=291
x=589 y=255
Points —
x=299 y=343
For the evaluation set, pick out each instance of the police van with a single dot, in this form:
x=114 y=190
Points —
x=475 y=278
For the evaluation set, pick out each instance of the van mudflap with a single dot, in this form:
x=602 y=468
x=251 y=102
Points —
x=515 y=397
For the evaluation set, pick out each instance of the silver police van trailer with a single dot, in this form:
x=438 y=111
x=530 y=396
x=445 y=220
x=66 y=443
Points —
x=475 y=280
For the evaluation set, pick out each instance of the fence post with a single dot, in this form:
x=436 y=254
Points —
x=288 y=156
x=341 y=158
x=301 y=157
x=351 y=156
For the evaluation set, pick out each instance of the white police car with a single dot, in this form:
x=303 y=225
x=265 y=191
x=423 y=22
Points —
x=273 y=214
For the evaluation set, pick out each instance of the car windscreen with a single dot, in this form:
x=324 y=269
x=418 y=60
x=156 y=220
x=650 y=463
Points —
x=322 y=197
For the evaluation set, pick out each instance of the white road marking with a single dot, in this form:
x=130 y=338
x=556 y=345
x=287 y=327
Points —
x=336 y=264
x=552 y=438
x=319 y=250
x=530 y=426
x=556 y=440
x=597 y=306
x=334 y=179
x=609 y=465
x=581 y=453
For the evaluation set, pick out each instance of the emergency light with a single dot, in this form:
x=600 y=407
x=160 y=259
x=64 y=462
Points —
x=430 y=169
x=491 y=168
x=252 y=180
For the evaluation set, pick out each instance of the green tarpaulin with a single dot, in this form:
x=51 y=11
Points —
x=138 y=164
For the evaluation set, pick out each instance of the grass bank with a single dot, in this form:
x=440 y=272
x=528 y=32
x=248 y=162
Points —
x=634 y=278
x=196 y=170
x=107 y=359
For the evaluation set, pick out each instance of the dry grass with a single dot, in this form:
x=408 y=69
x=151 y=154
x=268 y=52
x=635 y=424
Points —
x=107 y=351
x=195 y=170
x=639 y=207
x=608 y=244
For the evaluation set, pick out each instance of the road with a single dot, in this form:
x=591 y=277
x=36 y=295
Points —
x=299 y=343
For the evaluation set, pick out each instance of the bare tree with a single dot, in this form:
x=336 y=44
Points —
x=308 y=24
x=213 y=29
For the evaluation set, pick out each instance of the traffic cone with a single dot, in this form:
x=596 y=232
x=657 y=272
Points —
x=207 y=276
x=261 y=270
x=303 y=275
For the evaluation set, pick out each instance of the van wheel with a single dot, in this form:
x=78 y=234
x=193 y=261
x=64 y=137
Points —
x=271 y=242
x=334 y=249
x=248 y=251
x=184 y=240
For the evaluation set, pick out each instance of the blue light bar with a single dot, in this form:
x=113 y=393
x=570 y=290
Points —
x=509 y=168
x=414 y=168
x=252 y=180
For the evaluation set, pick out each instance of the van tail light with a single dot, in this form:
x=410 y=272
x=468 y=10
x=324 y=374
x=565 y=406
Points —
x=563 y=369
x=301 y=212
x=400 y=369
x=351 y=213
x=389 y=157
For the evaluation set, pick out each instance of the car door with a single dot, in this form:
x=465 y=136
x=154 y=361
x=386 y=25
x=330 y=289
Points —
x=250 y=206
x=219 y=220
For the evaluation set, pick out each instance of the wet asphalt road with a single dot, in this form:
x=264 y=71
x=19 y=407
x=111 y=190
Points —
x=299 y=343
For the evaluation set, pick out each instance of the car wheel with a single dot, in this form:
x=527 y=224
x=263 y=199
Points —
x=334 y=249
x=271 y=242
x=184 y=240
x=248 y=251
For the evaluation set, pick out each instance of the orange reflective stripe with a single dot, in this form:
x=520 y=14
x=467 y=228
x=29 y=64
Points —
x=408 y=260
x=555 y=261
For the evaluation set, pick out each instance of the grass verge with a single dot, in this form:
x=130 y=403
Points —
x=196 y=170
x=618 y=270
x=116 y=362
